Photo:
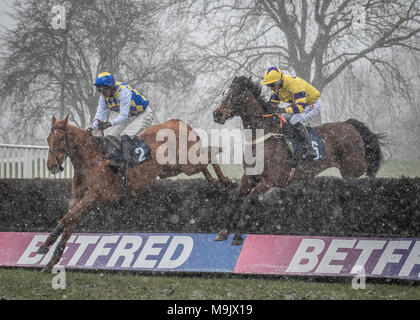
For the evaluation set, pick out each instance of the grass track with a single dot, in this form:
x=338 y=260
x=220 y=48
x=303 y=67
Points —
x=32 y=284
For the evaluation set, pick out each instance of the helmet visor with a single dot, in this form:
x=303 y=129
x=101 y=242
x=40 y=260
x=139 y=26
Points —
x=102 y=88
x=271 y=85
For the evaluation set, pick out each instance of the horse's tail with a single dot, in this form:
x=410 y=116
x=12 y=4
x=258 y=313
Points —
x=373 y=143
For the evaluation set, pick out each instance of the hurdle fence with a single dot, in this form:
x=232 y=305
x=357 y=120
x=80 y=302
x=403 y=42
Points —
x=26 y=162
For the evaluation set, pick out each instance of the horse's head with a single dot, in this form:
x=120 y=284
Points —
x=235 y=102
x=58 y=141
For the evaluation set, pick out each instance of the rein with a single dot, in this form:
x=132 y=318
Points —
x=271 y=134
x=263 y=138
x=67 y=147
x=282 y=119
x=267 y=136
x=99 y=121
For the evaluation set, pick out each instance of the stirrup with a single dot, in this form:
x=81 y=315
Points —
x=310 y=154
x=118 y=167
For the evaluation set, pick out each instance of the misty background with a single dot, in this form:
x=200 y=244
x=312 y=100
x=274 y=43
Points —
x=182 y=55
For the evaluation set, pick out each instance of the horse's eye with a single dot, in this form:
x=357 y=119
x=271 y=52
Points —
x=60 y=139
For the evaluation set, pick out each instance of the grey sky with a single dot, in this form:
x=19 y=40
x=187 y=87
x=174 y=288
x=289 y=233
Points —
x=4 y=8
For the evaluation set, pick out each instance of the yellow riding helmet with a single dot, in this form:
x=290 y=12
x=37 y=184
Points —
x=273 y=74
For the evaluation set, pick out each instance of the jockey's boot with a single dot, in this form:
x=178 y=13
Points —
x=126 y=152
x=126 y=148
x=120 y=166
x=303 y=134
x=287 y=131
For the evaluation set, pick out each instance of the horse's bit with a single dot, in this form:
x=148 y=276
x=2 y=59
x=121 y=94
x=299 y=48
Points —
x=67 y=148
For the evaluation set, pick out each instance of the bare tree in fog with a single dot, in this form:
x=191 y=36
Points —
x=388 y=101
x=316 y=40
x=51 y=70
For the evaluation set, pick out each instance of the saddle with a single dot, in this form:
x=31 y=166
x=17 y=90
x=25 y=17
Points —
x=296 y=144
x=140 y=151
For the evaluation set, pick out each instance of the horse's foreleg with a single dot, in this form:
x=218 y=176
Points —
x=221 y=177
x=245 y=186
x=259 y=189
x=212 y=153
x=225 y=180
x=69 y=221
x=58 y=252
x=208 y=176
x=52 y=238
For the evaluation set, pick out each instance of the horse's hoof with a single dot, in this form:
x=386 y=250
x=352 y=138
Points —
x=226 y=182
x=237 y=240
x=46 y=269
x=42 y=250
x=222 y=235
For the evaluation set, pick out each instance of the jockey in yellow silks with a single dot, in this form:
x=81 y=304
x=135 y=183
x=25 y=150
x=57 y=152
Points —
x=131 y=111
x=303 y=98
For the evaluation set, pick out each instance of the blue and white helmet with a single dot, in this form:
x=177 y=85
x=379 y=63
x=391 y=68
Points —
x=105 y=79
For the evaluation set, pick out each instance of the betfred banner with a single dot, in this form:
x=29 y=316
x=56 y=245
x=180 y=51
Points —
x=260 y=254
x=330 y=256
x=163 y=252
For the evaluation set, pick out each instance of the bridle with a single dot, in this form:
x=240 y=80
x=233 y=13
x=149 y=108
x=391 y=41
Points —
x=236 y=104
x=239 y=102
x=66 y=150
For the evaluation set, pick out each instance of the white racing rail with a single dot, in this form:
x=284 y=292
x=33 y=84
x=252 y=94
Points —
x=25 y=162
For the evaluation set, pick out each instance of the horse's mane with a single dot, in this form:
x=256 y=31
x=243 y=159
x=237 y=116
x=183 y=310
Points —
x=96 y=141
x=256 y=89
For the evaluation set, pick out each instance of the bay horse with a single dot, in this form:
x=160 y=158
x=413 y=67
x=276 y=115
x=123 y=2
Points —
x=350 y=146
x=94 y=182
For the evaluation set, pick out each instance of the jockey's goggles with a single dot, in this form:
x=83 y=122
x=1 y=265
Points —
x=271 y=85
x=102 y=88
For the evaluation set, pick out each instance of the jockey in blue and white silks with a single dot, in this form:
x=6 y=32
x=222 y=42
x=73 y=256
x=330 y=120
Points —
x=131 y=113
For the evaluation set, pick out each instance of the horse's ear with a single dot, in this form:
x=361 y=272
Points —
x=53 y=120
x=250 y=83
x=66 y=119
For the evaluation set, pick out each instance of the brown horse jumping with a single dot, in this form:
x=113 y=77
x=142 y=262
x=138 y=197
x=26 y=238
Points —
x=94 y=182
x=350 y=146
